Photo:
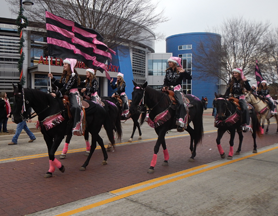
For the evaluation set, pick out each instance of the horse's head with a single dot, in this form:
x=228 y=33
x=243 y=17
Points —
x=248 y=97
x=138 y=96
x=221 y=105
x=20 y=105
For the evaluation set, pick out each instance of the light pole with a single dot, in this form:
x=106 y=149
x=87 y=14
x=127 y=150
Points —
x=22 y=22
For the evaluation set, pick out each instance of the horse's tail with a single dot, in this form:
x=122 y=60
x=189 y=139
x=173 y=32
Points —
x=256 y=123
x=198 y=123
x=112 y=122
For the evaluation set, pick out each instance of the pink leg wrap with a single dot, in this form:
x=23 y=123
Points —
x=262 y=130
x=220 y=149
x=231 y=152
x=166 y=154
x=88 y=146
x=51 y=167
x=65 y=149
x=57 y=163
x=153 y=162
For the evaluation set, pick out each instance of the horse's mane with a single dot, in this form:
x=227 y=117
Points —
x=41 y=97
x=153 y=93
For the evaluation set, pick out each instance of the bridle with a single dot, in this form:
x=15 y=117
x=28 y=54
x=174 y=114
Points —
x=142 y=101
x=227 y=108
x=23 y=109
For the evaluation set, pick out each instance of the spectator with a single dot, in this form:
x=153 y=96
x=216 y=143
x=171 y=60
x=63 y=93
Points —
x=8 y=112
x=2 y=110
x=20 y=126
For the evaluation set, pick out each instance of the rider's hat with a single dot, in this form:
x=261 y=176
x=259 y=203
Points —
x=120 y=75
x=92 y=71
x=176 y=60
x=72 y=63
x=264 y=81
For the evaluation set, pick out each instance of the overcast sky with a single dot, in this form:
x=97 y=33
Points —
x=200 y=15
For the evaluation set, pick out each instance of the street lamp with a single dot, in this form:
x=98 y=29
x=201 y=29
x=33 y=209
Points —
x=22 y=22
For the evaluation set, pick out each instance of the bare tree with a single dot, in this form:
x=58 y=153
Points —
x=270 y=66
x=118 y=21
x=242 y=43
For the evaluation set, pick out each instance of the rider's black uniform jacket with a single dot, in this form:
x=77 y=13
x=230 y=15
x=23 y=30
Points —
x=64 y=86
x=237 y=89
x=172 y=78
x=120 y=89
x=263 y=92
x=91 y=87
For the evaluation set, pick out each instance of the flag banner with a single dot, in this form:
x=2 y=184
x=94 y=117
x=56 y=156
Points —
x=68 y=39
x=258 y=74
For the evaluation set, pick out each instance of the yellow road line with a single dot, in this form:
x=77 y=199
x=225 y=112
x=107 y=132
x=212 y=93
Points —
x=118 y=197
x=27 y=157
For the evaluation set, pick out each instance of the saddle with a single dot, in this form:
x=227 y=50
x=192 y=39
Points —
x=66 y=103
x=171 y=95
x=119 y=100
x=235 y=101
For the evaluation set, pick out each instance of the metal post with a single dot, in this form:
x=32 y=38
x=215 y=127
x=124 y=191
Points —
x=49 y=71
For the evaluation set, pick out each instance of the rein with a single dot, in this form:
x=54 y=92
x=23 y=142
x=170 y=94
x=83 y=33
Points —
x=34 y=114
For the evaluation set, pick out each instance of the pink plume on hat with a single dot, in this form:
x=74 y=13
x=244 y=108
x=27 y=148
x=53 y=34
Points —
x=72 y=63
x=238 y=70
x=176 y=60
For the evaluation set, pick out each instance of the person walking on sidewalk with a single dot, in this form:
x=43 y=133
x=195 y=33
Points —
x=2 y=111
x=8 y=112
x=22 y=126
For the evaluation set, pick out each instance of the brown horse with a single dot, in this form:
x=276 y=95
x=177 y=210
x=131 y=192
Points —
x=262 y=109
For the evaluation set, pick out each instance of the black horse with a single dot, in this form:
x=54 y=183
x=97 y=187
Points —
x=159 y=104
x=205 y=102
x=51 y=112
x=228 y=118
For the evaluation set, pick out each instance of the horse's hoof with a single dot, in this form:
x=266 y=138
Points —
x=104 y=162
x=165 y=163
x=140 y=138
x=108 y=149
x=48 y=175
x=237 y=153
x=223 y=155
x=130 y=140
x=191 y=160
x=82 y=168
x=87 y=153
x=63 y=156
x=62 y=169
x=151 y=170
x=229 y=157
x=255 y=151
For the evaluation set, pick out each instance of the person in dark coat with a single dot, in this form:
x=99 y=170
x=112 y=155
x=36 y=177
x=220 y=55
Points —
x=68 y=86
x=3 y=114
x=236 y=88
x=263 y=92
x=174 y=76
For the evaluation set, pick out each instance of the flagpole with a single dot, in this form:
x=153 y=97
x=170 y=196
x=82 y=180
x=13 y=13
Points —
x=49 y=71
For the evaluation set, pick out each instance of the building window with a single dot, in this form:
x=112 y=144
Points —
x=185 y=47
x=138 y=65
x=157 y=67
x=187 y=65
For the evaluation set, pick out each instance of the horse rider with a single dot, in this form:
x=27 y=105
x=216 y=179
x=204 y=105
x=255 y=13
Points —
x=68 y=86
x=254 y=89
x=263 y=92
x=174 y=76
x=236 y=88
x=91 y=85
x=120 y=85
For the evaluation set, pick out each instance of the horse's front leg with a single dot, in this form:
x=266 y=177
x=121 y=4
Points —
x=135 y=122
x=232 y=137
x=53 y=145
x=240 y=135
x=220 y=133
x=68 y=139
x=160 y=140
x=165 y=152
